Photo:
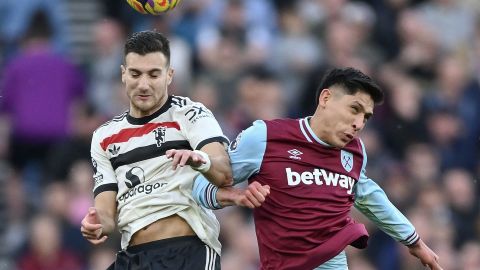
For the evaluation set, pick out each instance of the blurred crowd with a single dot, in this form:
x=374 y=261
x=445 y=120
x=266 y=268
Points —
x=245 y=60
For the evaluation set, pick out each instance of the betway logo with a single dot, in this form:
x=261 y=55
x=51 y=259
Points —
x=320 y=177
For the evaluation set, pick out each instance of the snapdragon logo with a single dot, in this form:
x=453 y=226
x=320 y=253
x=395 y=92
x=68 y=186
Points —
x=141 y=189
x=320 y=177
x=134 y=177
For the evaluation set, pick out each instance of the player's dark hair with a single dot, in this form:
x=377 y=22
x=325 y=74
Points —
x=145 y=42
x=353 y=81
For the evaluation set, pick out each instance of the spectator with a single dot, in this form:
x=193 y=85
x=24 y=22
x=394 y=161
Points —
x=39 y=88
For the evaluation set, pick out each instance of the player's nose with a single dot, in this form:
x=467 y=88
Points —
x=358 y=123
x=143 y=83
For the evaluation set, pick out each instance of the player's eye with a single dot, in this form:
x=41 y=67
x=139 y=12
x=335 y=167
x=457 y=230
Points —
x=367 y=117
x=355 y=109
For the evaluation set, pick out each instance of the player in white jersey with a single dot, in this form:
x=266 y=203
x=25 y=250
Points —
x=145 y=161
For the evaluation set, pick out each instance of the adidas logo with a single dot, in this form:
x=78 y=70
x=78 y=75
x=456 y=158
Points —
x=114 y=150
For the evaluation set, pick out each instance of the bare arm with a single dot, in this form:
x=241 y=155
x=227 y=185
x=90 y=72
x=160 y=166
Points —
x=212 y=161
x=253 y=196
x=106 y=206
x=100 y=220
x=220 y=172
x=426 y=256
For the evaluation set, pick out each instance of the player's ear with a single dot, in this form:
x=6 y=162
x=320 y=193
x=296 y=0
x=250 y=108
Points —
x=170 y=73
x=324 y=97
x=124 y=72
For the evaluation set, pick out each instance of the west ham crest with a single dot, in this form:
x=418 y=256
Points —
x=347 y=160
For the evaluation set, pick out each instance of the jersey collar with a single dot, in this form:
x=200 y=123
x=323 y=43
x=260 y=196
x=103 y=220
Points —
x=308 y=132
x=143 y=120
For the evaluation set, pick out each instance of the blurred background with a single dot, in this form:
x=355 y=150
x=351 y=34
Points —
x=245 y=60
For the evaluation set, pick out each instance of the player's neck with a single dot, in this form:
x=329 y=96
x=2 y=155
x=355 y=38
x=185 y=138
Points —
x=318 y=129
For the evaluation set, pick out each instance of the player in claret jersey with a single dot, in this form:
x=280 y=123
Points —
x=315 y=170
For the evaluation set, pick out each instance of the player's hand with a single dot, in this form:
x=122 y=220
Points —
x=92 y=228
x=425 y=254
x=253 y=196
x=184 y=157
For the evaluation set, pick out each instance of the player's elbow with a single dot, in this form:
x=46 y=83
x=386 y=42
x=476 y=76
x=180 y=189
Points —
x=225 y=180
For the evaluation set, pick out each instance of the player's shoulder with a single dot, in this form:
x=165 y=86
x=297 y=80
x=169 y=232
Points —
x=188 y=109
x=282 y=121
x=281 y=124
x=112 y=124
x=254 y=133
x=178 y=102
x=183 y=103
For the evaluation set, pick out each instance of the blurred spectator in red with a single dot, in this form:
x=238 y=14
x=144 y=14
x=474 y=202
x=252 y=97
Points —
x=45 y=251
x=101 y=257
x=469 y=258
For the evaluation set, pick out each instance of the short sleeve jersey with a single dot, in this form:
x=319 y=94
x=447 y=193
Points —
x=128 y=156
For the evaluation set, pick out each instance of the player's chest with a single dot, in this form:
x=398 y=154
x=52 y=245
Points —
x=153 y=137
x=309 y=171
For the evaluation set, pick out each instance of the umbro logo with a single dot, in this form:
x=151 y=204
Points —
x=114 y=150
x=295 y=154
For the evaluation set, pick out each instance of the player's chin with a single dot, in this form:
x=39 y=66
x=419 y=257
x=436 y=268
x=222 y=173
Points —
x=340 y=143
x=144 y=105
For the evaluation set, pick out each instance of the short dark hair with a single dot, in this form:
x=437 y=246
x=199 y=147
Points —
x=352 y=80
x=148 y=42
x=40 y=26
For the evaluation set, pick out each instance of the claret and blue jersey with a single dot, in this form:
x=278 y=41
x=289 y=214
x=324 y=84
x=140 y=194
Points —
x=305 y=221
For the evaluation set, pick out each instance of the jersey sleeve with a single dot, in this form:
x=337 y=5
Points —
x=103 y=173
x=205 y=193
x=246 y=154
x=198 y=123
x=247 y=151
x=372 y=201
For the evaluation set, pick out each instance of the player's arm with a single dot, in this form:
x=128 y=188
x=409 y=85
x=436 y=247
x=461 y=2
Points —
x=246 y=155
x=220 y=171
x=100 y=220
x=211 y=160
x=209 y=155
x=372 y=201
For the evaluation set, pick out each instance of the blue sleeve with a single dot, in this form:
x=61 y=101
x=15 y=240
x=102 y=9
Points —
x=205 y=193
x=372 y=201
x=247 y=150
x=246 y=155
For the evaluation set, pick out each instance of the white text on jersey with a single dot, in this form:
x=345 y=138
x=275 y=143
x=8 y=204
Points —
x=320 y=177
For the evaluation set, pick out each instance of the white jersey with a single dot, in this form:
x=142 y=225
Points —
x=128 y=156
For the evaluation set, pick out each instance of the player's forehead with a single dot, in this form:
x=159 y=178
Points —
x=360 y=98
x=146 y=62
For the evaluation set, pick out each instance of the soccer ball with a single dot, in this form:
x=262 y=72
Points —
x=154 y=7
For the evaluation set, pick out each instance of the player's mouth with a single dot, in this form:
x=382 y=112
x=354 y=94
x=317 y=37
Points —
x=347 y=137
x=143 y=97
